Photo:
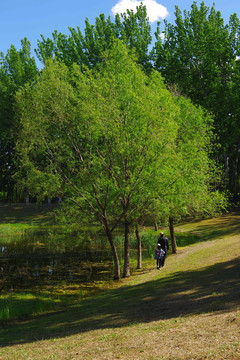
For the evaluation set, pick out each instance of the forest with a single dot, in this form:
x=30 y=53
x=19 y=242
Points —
x=123 y=127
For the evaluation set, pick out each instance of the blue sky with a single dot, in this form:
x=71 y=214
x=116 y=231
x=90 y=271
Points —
x=30 y=18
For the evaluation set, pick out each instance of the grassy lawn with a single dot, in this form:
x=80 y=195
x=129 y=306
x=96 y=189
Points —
x=25 y=214
x=188 y=310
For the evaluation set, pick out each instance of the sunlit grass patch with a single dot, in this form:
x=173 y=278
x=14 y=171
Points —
x=10 y=229
x=22 y=305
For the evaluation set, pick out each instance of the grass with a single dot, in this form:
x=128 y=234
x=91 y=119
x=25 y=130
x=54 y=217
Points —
x=21 y=305
x=189 y=310
x=20 y=215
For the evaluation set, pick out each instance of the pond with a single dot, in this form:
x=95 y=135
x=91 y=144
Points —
x=35 y=259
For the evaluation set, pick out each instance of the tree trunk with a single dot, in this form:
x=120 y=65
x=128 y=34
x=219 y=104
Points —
x=27 y=196
x=236 y=173
x=156 y=226
x=126 y=269
x=139 y=247
x=173 y=240
x=226 y=159
x=114 y=252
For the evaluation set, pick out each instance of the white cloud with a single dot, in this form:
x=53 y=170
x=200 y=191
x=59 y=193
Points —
x=155 y=11
x=162 y=36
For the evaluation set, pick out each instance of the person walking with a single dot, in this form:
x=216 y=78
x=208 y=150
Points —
x=159 y=254
x=163 y=241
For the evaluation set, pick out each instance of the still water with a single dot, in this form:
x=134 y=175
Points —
x=35 y=258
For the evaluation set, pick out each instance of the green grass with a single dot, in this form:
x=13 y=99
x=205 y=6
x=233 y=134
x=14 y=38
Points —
x=192 y=306
x=198 y=286
x=26 y=214
x=22 y=306
x=38 y=301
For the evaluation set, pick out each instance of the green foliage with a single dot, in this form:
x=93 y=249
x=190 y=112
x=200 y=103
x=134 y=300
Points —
x=96 y=137
x=16 y=69
x=114 y=142
x=113 y=125
x=87 y=48
x=193 y=178
x=199 y=54
x=149 y=241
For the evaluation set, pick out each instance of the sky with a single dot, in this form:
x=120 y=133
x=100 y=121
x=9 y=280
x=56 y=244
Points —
x=30 y=18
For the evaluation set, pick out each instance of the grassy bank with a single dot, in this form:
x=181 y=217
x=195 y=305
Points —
x=188 y=310
x=16 y=218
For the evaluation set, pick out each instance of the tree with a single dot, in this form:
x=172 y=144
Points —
x=100 y=135
x=198 y=54
x=17 y=68
x=194 y=178
x=87 y=48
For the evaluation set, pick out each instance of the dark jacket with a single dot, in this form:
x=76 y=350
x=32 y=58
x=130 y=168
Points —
x=163 y=241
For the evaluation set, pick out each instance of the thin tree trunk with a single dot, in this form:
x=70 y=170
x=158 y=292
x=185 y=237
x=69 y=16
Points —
x=126 y=269
x=226 y=158
x=172 y=233
x=114 y=252
x=139 y=247
x=27 y=196
x=156 y=226
x=236 y=173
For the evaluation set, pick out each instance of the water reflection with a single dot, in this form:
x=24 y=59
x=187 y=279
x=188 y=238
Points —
x=34 y=259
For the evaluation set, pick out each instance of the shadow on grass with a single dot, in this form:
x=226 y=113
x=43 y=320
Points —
x=210 y=229
x=26 y=213
x=214 y=288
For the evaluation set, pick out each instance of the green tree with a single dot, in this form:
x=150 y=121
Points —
x=102 y=135
x=198 y=54
x=16 y=69
x=87 y=48
x=192 y=189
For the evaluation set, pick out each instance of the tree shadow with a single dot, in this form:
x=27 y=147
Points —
x=213 y=288
x=219 y=227
x=22 y=213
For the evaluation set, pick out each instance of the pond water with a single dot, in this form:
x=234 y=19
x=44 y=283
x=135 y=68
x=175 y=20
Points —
x=34 y=259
